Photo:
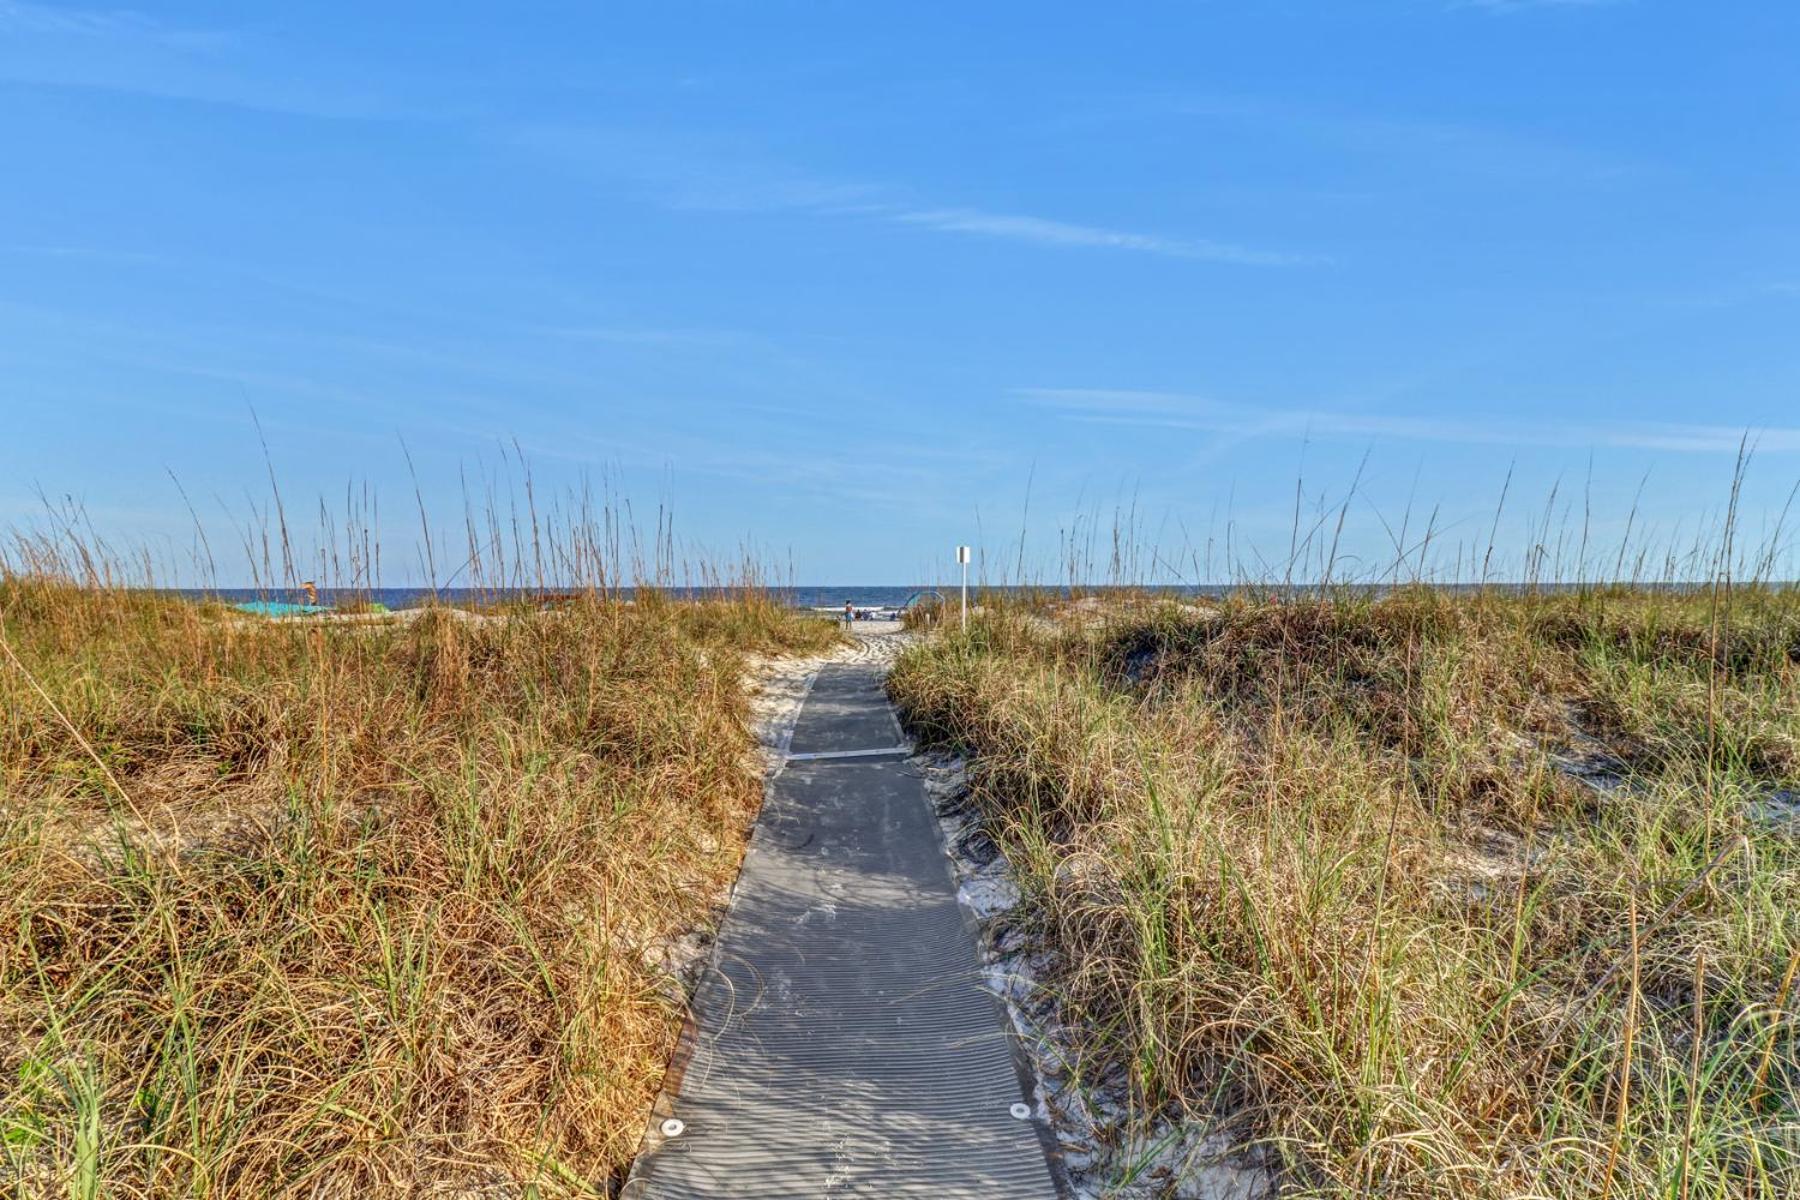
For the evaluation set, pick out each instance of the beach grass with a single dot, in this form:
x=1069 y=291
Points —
x=372 y=908
x=1409 y=891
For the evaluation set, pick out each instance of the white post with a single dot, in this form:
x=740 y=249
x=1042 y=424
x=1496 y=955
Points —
x=962 y=556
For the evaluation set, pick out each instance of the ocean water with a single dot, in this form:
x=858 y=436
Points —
x=862 y=595
x=879 y=595
x=809 y=596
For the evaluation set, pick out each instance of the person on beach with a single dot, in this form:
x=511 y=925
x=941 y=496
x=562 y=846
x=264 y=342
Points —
x=849 y=614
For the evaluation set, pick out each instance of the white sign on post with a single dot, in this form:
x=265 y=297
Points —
x=962 y=556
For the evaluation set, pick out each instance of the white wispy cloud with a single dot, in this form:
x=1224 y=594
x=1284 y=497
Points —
x=723 y=182
x=144 y=53
x=1063 y=233
x=1178 y=410
x=43 y=20
x=16 y=17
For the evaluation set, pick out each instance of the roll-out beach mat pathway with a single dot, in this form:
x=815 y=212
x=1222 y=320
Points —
x=841 y=1042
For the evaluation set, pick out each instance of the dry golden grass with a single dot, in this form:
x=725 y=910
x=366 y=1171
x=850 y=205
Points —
x=1426 y=894
x=354 y=910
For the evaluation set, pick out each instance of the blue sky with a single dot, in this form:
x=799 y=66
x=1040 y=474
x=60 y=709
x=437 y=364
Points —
x=848 y=283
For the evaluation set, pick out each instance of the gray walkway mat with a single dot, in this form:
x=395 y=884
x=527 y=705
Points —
x=847 y=709
x=842 y=1043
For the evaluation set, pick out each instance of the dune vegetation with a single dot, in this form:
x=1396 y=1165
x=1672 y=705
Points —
x=355 y=909
x=1414 y=892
